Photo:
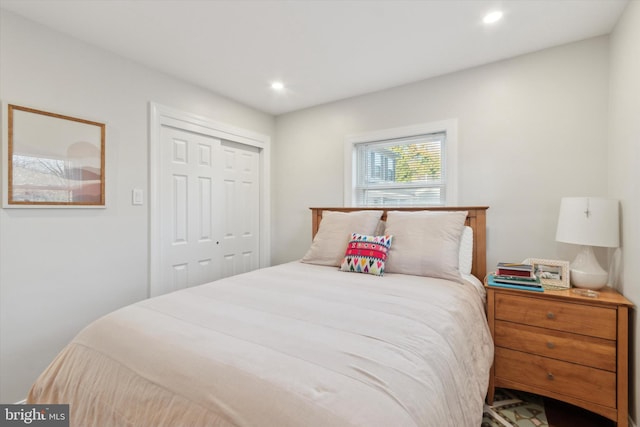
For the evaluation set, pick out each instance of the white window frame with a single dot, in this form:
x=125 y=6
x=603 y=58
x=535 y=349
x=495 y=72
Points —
x=450 y=154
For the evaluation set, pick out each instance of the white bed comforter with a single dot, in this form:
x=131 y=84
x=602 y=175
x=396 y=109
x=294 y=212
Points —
x=291 y=345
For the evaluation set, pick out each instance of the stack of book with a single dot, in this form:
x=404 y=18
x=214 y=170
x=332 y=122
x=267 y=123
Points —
x=516 y=276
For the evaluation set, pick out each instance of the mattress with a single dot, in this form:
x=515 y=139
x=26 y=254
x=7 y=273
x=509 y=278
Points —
x=290 y=345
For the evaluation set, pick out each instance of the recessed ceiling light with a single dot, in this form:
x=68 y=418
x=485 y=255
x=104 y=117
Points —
x=492 y=17
x=277 y=85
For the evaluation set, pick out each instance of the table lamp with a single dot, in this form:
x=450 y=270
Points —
x=588 y=221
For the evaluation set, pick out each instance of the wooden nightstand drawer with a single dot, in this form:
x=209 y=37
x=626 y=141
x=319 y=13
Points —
x=581 y=382
x=595 y=352
x=575 y=318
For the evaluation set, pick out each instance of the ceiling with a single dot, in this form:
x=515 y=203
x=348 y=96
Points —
x=321 y=50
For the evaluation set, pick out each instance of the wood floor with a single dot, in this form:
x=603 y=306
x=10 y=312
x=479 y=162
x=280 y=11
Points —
x=560 y=414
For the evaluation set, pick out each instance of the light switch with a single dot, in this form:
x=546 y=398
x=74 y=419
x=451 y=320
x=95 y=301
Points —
x=137 y=197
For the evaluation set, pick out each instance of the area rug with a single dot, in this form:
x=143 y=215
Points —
x=513 y=408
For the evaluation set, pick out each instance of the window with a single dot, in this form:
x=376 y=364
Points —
x=403 y=167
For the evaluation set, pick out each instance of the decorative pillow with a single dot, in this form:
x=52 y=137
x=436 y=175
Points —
x=334 y=232
x=366 y=254
x=465 y=254
x=425 y=243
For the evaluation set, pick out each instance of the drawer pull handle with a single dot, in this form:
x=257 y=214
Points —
x=549 y=376
x=551 y=316
x=550 y=345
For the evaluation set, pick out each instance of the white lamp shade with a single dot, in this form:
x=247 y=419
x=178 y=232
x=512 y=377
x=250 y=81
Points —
x=591 y=221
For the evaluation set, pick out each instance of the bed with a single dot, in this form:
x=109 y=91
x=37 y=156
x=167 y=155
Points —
x=306 y=343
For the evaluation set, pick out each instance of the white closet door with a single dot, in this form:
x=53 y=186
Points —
x=241 y=207
x=209 y=200
x=189 y=196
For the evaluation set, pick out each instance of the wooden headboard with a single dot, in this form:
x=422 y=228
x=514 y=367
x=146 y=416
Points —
x=476 y=219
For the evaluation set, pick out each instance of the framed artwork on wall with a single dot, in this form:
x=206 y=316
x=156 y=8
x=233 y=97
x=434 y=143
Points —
x=53 y=160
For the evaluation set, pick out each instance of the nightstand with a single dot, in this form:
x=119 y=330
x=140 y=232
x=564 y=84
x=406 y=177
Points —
x=564 y=346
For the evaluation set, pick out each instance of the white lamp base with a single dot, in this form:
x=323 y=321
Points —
x=586 y=271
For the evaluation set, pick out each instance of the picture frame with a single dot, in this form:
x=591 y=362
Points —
x=53 y=160
x=553 y=274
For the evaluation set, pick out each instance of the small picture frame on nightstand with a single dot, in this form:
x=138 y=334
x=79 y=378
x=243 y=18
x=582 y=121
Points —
x=553 y=274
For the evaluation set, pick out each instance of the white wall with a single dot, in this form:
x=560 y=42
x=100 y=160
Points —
x=60 y=269
x=531 y=130
x=624 y=166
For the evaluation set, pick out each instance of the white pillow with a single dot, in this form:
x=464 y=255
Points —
x=333 y=235
x=425 y=243
x=465 y=254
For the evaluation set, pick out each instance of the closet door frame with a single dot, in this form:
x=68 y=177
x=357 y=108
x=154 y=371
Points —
x=160 y=115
